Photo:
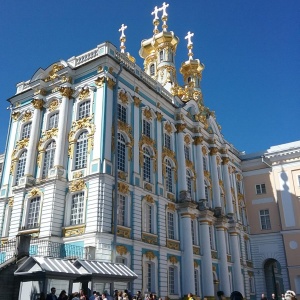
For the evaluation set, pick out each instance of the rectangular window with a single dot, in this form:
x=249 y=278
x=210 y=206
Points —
x=122 y=113
x=196 y=276
x=26 y=131
x=265 y=219
x=171 y=231
x=260 y=189
x=204 y=164
x=146 y=128
x=148 y=218
x=77 y=209
x=84 y=110
x=171 y=280
x=149 y=277
x=33 y=213
x=212 y=238
x=167 y=141
x=121 y=209
x=187 y=152
x=53 y=121
x=193 y=232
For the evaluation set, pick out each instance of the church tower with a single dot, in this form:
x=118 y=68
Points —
x=159 y=51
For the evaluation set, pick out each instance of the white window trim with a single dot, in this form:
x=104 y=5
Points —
x=22 y=128
x=72 y=164
x=154 y=281
x=176 y=227
x=153 y=215
x=26 y=211
x=79 y=102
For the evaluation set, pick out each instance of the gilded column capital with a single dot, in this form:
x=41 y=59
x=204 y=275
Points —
x=37 y=103
x=84 y=93
x=159 y=116
x=110 y=83
x=225 y=160
x=66 y=91
x=99 y=82
x=137 y=101
x=214 y=151
x=15 y=115
x=198 y=140
x=11 y=202
x=180 y=127
x=41 y=92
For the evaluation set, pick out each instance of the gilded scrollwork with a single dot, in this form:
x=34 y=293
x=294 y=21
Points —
x=171 y=207
x=34 y=192
x=150 y=255
x=65 y=79
x=37 y=103
x=84 y=93
x=74 y=230
x=46 y=135
x=15 y=115
x=137 y=101
x=173 y=259
x=11 y=202
x=77 y=185
x=187 y=139
x=159 y=116
x=148 y=198
x=168 y=128
x=54 y=104
x=147 y=113
x=123 y=188
x=122 y=250
x=27 y=116
x=84 y=123
x=66 y=91
x=19 y=146
x=123 y=97
x=110 y=83
x=198 y=140
x=53 y=72
x=180 y=127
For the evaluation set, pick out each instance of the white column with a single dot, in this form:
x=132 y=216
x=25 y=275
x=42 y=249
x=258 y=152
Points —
x=199 y=168
x=61 y=142
x=228 y=197
x=182 y=186
x=222 y=253
x=136 y=132
x=215 y=178
x=238 y=284
x=188 y=281
x=159 y=148
x=206 y=272
x=34 y=135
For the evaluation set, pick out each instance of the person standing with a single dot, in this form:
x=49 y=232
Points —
x=263 y=297
x=52 y=295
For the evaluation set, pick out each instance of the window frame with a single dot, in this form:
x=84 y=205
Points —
x=77 y=155
x=265 y=218
x=52 y=158
x=169 y=180
x=25 y=133
x=29 y=212
x=147 y=128
x=24 y=160
x=83 y=200
x=122 y=112
x=147 y=165
x=56 y=121
x=84 y=113
x=121 y=157
x=260 y=189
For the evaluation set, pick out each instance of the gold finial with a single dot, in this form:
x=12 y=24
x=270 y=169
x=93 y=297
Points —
x=156 y=19
x=190 y=44
x=164 y=16
x=122 y=38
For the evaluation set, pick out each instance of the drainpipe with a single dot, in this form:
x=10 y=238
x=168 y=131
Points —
x=115 y=120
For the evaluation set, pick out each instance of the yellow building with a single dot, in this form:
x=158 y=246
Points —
x=272 y=189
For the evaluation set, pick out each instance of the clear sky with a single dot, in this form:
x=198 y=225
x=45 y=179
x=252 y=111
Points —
x=250 y=48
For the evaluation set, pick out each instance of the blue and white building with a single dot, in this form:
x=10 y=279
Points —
x=176 y=183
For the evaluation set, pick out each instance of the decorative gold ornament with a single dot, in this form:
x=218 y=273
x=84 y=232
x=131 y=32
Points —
x=123 y=97
x=27 y=116
x=74 y=230
x=147 y=114
x=123 y=188
x=84 y=93
x=159 y=116
x=66 y=92
x=122 y=175
x=53 y=73
x=137 y=101
x=225 y=160
x=37 y=103
x=54 y=104
x=239 y=177
x=77 y=185
x=136 y=89
x=214 y=151
x=34 y=192
x=123 y=232
x=180 y=127
x=100 y=81
x=187 y=139
x=218 y=159
x=149 y=199
x=41 y=92
x=198 y=140
x=168 y=127
x=150 y=255
x=77 y=174
x=204 y=150
x=65 y=79
x=19 y=146
x=100 y=69
x=171 y=206
x=196 y=265
x=110 y=83
x=173 y=245
x=173 y=259
x=121 y=250
x=11 y=202
x=15 y=115
x=46 y=135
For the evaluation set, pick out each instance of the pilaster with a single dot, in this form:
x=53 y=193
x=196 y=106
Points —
x=215 y=178
x=199 y=168
x=228 y=196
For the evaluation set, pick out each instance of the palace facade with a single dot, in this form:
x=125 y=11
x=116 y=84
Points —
x=131 y=167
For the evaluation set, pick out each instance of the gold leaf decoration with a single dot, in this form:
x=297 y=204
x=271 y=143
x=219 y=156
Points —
x=150 y=255
x=77 y=185
x=27 y=116
x=37 y=103
x=84 y=93
x=137 y=101
x=147 y=114
x=54 y=104
x=121 y=250
x=149 y=199
x=171 y=206
x=66 y=92
x=34 y=192
x=15 y=115
x=123 y=97
x=53 y=72
x=123 y=188
x=173 y=259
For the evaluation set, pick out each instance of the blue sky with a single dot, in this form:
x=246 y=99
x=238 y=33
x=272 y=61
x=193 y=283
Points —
x=251 y=52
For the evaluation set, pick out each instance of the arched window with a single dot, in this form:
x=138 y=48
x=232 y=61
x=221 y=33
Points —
x=21 y=166
x=161 y=55
x=53 y=121
x=121 y=152
x=152 y=70
x=172 y=280
x=49 y=158
x=77 y=208
x=81 y=151
x=147 y=165
x=84 y=109
x=169 y=177
x=189 y=181
x=33 y=213
x=26 y=131
x=122 y=113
